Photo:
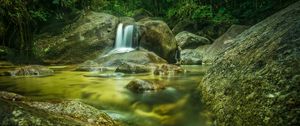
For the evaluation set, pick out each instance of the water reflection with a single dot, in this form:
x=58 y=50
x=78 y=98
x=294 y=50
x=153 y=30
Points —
x=176 y=105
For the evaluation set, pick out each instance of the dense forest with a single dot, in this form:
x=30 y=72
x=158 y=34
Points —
x=21 y=19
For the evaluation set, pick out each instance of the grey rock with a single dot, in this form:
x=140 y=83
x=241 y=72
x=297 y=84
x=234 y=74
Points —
x=255 y=81
x=222 y=43
x=32 y=70
x=138 y=57
x=187 y=40
x=25 y=111
x=127 y=67
x=140 y=86
x=157 y=37
x=86 y=38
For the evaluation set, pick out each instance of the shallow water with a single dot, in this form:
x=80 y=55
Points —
x=178 y=104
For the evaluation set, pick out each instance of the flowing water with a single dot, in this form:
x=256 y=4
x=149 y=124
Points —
x=177 y=105
x=124 y=39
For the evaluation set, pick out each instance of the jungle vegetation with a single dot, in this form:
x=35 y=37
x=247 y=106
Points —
x=20 y=20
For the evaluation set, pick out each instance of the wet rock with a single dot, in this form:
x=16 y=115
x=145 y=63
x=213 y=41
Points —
x=32 y=70
x=90 y=65
x=255 y=81
x=30 y=112
x=140 y=86
x=127 y=67
x=193 y=56
x=86 y=38
x=223 y=42
x=187 y=40
x=167 y=69
x=157 y=37
x=106 y=75
x=138 y=57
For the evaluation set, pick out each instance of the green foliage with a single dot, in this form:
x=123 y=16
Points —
x=223 y=16
x=40 y=15
x=202 y=13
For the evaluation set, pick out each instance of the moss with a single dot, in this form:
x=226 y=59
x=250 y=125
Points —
x=252 y=82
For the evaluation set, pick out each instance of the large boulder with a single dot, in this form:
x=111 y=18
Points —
x=19 y=110
x=193 y=56
x=223 y=42
x=89 y=36
x=127 y=67
x=137 y=56
x=187 y=40
x=256 y=81
x=156 y=36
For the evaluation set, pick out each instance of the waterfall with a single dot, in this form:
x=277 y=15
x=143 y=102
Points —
x=128 y=36
x=124 y=39
x=119 y=36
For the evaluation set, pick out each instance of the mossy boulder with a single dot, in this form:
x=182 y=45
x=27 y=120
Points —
x=137 y=56
x=32 y=70
x=223 y=42
x=86 y=38
x=187 y=40
x=156 y=36
x=22 y=111
x=130 y=68
x=256 y=81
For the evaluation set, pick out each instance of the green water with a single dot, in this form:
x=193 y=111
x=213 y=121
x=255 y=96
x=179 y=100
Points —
x=177 y=105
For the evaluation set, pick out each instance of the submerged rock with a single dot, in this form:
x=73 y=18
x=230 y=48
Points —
x=187 y=40
x=256 y=81
x=156 y=36
x=223 y=42
x=90 y=65
x=140 y=86
x=106 y=75
x=25 y=111
x=92 y=34
x=127 y=67
x=32 y=70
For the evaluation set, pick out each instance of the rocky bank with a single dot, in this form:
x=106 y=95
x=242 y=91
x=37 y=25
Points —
x=256 y=80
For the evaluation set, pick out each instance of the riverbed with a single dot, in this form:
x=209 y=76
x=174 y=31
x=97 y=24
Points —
x=178 y=104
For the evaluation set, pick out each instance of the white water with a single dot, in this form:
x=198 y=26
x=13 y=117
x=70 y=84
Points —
x=124 y=39
x=119 y=36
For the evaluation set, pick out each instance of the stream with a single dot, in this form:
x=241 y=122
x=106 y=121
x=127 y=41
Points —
x=177 y=105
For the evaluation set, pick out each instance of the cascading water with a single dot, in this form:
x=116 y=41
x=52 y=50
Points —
x=124 y=39
x=119 y=36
